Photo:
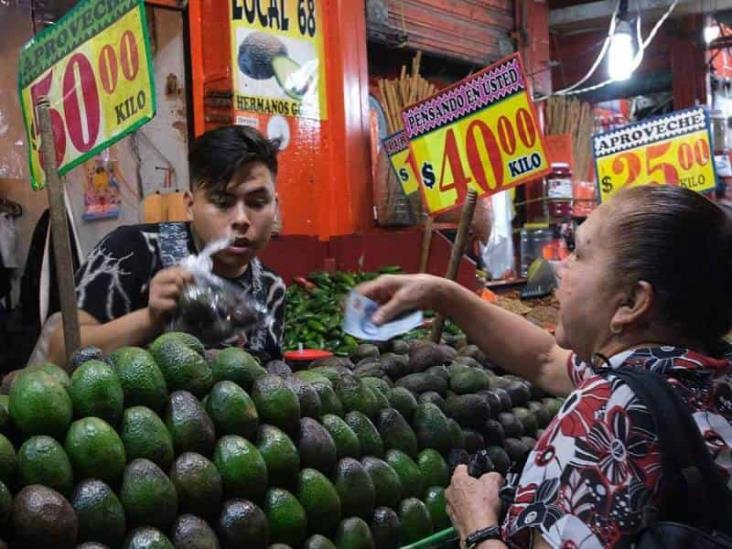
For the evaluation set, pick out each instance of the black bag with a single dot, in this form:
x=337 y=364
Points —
x=696 y=505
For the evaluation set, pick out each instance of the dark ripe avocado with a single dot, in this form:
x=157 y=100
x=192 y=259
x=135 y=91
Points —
x=396 y=432
x=147 y=495
x=90 y=352
x=493 y=434
x=473 y=351
x=439 y=371
x=467 y=361
x=504 y=399
x=473 y=440
x=331 y=362
x=434 y=398
x=394 y=365
x=316 y=447
x=43 y=518
x=527 y=419
x=192 y=532
x=519 y=393
x=399 y=346
x=457 y=437
x=198 y=483
x=480 y=464
x=278 y=368
x=307 y=395
x=354 y=533
x=431 y=428
x=494 y=402
x=355 y=488
x=318 y=542
x=447 y=352
x=369 y=369
x=468 y=410
x=243 y=524
x=540 y=413
x=425 y=356
x=512 y=426
x=415 y=519
x=387 y=484
x=385 y=528
x=147 y=537
x=529 y=442
x=422 y=383
x=500 y=458
x=402 y=400
x=256 y=53
x=99 y=512
x=189 y=425
x=515 y=449
x=457 y=457
x=365 y=350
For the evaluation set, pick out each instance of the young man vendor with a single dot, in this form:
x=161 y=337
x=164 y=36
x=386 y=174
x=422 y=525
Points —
x=129 y=286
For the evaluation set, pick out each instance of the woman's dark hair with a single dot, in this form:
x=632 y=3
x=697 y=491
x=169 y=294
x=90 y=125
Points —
x=217 y=155
x=681 y=243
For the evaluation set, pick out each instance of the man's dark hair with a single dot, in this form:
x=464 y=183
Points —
x=217 y=155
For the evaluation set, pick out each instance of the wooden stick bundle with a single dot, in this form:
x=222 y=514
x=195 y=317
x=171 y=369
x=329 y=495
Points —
x=398 y=93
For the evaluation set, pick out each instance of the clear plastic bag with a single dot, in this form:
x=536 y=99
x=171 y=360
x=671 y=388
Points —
x=213 y=309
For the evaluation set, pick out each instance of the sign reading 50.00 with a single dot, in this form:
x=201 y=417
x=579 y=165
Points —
x=480 y=133
x=94 y=67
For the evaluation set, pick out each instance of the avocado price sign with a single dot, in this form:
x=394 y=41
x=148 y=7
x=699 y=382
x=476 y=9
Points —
x=94 y=66
x=673 y=149
x=402 y=161
x=277 y=57
x=480 y=133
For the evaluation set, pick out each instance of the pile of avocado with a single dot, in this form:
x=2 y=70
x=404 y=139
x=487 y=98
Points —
x=170 y=446
x=314 y=312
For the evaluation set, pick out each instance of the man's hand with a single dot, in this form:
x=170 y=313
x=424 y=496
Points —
x=473 y=503
x=165 y=289
x=400 y=293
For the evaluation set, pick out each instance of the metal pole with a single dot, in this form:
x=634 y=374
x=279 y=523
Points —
x=60 y=232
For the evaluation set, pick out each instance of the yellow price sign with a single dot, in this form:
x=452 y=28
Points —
x=673 y=149
x=480 y=133
x=95 y=67
x=402 y=161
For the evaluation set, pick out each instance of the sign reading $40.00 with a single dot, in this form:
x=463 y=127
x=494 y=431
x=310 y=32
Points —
x=672 y=149
x=94 y=66
x=480 y=133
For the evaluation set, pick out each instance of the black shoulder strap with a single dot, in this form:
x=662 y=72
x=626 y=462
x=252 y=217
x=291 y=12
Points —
x=695 y=493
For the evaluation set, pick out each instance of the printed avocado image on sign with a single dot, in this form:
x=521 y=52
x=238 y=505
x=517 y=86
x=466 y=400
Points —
x=672 y=149
x=278 y=57
x=94 y=65
x=480 y=133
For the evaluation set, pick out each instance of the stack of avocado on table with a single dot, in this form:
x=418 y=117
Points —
x=314 y=312
x=171 y=446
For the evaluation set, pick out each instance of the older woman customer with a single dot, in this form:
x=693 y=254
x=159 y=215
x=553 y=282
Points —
x=648 y=286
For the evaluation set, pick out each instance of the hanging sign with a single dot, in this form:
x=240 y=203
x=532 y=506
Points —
x=278 y=58
x=94 y=66
x=397 y=149
x=672 y=149
x=480 y=133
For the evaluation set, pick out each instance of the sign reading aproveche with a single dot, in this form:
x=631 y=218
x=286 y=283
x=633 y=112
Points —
x=479 y=133
x=673 y=149
x=94 y=66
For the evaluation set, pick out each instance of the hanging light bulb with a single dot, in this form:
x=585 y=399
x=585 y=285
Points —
x=622 y=52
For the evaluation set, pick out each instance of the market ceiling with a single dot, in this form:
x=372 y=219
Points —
x=573 y=16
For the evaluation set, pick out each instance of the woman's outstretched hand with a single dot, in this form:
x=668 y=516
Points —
x=402 y=293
